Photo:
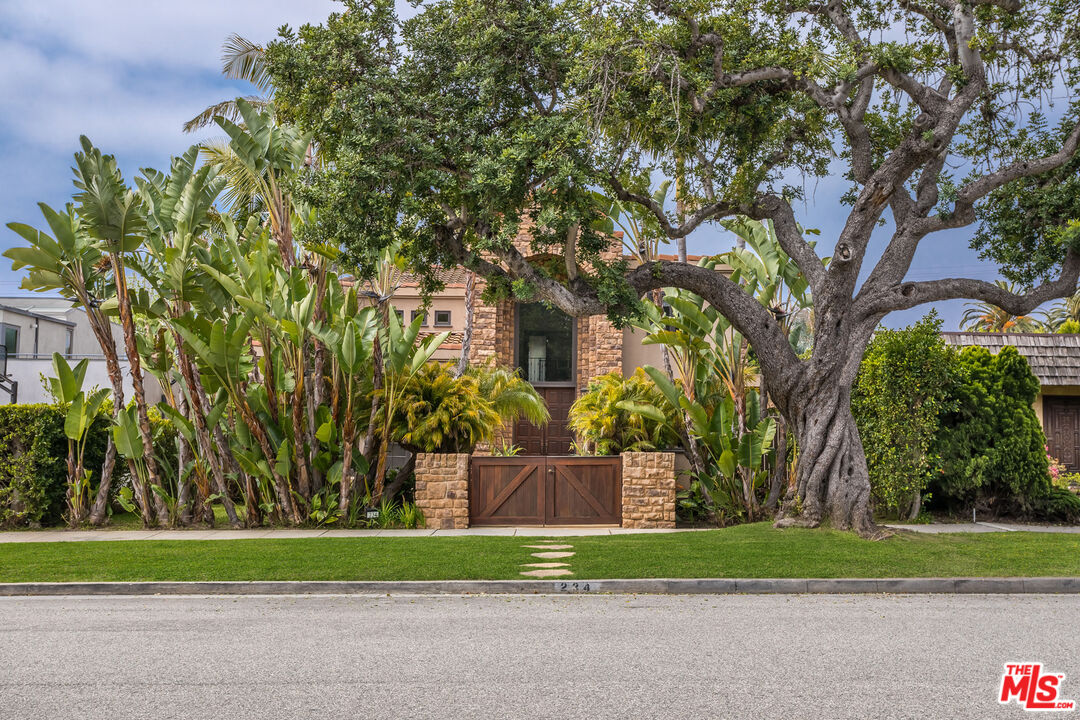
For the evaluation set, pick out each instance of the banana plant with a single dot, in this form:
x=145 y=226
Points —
x=179 y=214
x=223 y=349
x=351 y=342
x=260 y=155
x=81 y=409
x=128 y=440
x=402 y=358
x=112 y=214
x=69 y=262
x=771 y=276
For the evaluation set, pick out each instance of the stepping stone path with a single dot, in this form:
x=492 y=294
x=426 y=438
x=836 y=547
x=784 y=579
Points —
x=546 y=573
x=548 y=569
x=546 y=565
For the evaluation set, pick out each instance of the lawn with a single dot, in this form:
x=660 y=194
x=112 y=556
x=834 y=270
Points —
x=747 y=551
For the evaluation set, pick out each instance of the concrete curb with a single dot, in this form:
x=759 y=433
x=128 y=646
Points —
x=661 y=586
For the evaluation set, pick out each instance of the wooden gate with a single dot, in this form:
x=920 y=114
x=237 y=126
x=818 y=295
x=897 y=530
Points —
x=545 y=490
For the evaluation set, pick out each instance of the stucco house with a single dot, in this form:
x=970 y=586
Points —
x=33 y=327
x=1055 y=361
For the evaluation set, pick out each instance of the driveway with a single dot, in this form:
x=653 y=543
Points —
x=924 y=656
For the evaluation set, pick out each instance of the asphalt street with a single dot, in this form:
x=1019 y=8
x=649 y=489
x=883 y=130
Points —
x=585 y=656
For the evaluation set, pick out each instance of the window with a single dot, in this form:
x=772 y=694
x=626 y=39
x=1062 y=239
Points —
x=10 y=337
x=415 y=314
x=400 y=315
x=545 y=344
x=442 y=318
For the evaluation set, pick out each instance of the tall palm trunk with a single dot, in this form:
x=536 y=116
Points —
x=303 y=465
x=127 y=322
x=466 y=338
x=317 y=385
x=103 y=332
x=377 y=381
x=281 y=484
x=202 y=433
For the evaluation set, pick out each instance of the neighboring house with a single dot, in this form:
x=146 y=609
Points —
x=33 y=327
x=1055 y=361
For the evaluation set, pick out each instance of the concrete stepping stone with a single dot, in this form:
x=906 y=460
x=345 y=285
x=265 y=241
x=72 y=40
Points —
x=552 y=555
x=549 y=547
x=547 y=573
x=545 y=565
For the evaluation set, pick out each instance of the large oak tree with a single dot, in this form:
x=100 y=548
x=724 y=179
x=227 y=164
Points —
x=454 y=127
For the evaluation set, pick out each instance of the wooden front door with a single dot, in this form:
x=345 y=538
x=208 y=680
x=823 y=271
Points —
x=1061 y=417
x=554 y=438
x=545 y=491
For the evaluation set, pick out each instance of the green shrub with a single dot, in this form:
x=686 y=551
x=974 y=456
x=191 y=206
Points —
x=33 y=456
x=439 y=412
x=621 y=414
x=993 y=451
x=898 y=398
x=1060 y=504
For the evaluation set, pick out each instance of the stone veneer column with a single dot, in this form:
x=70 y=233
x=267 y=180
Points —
x=442 y=489
x=648 y=490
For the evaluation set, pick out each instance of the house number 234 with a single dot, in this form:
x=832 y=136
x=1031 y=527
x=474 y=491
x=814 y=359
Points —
x=572 y=587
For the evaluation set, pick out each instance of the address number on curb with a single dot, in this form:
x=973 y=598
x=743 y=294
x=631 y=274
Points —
x=572 y=587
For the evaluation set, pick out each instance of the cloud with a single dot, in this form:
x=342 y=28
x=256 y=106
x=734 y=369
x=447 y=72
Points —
x=185 y=35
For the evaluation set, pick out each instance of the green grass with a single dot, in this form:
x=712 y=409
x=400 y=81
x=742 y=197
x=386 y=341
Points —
x=746 y=551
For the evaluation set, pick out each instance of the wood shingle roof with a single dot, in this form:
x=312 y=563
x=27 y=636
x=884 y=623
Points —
x=1054 y=358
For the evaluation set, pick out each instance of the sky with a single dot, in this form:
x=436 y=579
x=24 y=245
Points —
x=129 y=73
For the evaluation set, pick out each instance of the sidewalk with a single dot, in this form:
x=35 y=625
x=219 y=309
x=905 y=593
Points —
x=20 y=536
x=983 y=527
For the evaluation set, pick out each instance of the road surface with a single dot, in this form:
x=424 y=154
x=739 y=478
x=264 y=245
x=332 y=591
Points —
x=919 y=656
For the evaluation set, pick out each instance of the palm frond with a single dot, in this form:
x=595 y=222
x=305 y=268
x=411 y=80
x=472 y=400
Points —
x=242 y=59
x=226 y=109
x=242 y=186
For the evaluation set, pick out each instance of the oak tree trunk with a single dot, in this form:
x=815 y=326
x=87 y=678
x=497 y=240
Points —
x=832 y=483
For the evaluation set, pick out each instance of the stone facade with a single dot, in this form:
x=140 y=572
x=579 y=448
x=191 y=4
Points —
x=599 y=342
x=600 y=349
x=648 y=490
x=442 y=489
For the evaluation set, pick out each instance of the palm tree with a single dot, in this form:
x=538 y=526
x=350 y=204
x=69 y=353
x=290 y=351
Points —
x=987 y=317
x=113 y=215
x=241 y=59
x=1066 y=310
x=69 y=262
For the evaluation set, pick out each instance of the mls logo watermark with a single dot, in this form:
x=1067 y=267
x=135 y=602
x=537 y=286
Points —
x=1033 y=689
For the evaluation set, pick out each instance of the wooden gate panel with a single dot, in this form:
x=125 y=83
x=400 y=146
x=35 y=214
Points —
x=547 y=490
x=507 y=491
x=584 y=491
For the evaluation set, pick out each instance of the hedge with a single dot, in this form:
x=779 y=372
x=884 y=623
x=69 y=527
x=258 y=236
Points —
x=33 y=457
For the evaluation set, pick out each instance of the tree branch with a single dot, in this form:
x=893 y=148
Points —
x=909 y=295
x=791 y=238
x=708 y=212
x=964 y=207
x=746 y=314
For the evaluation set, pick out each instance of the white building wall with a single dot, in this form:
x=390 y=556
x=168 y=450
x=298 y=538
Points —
x=28 y=373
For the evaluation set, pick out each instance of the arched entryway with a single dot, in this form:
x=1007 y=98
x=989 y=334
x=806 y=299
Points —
x=545 y=350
